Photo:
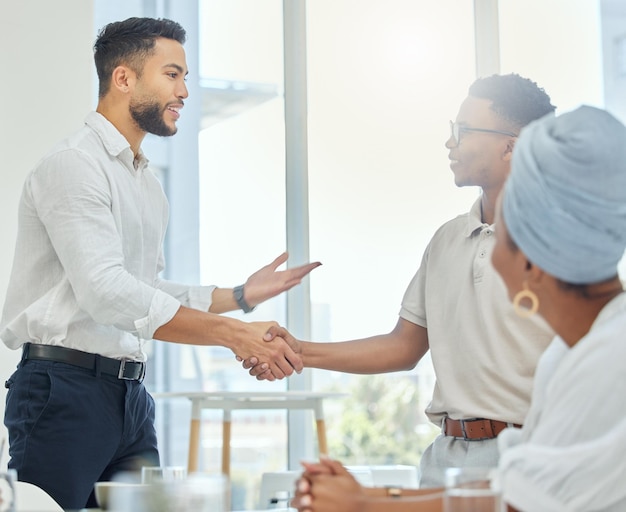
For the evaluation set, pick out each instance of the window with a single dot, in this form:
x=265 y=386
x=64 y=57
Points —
x=242 y=211
x=384 y=79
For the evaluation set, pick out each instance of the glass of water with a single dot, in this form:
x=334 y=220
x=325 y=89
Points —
x=471 y=490
x=201 y=492
x=157 y=474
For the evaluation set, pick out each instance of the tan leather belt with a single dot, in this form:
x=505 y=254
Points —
x=476 y=429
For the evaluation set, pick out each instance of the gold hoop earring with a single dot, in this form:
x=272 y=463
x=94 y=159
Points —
x=523 y=312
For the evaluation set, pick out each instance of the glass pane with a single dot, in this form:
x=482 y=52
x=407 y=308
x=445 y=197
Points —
x=385 y=76
x=242 y=211
x=570 y=67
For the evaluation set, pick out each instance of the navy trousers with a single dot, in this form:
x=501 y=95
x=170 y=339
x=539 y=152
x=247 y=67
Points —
x=70 y=427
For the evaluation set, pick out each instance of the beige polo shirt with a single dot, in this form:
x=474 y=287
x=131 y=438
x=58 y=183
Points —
x=484 y=355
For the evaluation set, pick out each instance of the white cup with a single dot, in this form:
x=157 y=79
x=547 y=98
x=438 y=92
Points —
x=471 y=489
x=7 y=490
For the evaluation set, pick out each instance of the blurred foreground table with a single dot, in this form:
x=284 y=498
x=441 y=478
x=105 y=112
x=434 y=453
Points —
x=229 y=401
x=275 y=510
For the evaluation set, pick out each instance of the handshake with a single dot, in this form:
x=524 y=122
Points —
x=282 y=355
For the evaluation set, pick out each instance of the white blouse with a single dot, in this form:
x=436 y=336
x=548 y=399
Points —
x=571 y=454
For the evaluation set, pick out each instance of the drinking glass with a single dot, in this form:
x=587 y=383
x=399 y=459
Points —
x=201 y=492
x=362 y=474
x=471 y=490
x=8 y=478
x=156 y=474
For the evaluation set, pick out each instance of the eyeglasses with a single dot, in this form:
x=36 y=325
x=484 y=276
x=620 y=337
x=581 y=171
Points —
x=456 y=129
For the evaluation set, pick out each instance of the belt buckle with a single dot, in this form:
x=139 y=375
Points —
x=121 y=373
x=467 y=438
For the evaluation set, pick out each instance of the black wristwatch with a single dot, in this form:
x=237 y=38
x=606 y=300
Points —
x=241 y=302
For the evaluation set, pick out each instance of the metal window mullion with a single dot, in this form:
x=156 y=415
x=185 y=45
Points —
x=300 y=444
x=487 y=37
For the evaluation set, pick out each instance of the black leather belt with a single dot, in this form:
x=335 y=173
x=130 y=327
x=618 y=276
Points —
x=126 y=370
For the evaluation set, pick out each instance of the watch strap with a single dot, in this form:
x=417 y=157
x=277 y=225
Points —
x=241 y=302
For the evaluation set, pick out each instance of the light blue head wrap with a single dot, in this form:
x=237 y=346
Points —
x=564 y=203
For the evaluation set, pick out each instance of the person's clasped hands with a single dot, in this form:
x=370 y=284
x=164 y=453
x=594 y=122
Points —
x=327 y=486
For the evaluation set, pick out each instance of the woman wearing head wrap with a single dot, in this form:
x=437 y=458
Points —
x=561 y=232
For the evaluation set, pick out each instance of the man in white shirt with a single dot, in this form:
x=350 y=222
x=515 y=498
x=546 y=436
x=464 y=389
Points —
x=85 y=292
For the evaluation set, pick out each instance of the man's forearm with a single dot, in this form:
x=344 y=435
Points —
x=223 y=301
x=378 y=354
x=245 y=339
x=190 y=326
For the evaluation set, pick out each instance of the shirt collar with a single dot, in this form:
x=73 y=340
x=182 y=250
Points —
x=114 y=142
x=474 y=219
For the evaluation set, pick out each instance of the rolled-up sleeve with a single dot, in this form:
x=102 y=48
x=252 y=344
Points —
x=162 y=310
x=196 y=297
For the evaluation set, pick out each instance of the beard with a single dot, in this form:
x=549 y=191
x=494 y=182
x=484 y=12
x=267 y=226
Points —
x=148 y=115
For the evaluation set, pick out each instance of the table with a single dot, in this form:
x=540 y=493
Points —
x=229 y=401
x=275 y=510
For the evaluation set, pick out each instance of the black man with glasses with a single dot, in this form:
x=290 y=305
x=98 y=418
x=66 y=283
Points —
x=456 y=306
x=483 y=353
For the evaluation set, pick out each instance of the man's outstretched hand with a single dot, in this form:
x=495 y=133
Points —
x=267 y=282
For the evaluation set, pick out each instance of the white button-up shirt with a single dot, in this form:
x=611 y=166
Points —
x=92 y=222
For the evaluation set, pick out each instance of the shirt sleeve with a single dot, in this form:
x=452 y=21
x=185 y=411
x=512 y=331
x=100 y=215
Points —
x=576 y=478
x=196 y=297
x=413 y=306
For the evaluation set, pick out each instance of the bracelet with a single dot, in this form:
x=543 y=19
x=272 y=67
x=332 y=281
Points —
x=394 y=492
x=241 y=302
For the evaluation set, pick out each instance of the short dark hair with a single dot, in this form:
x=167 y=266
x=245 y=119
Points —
x=130 y=42
x=515 y=99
